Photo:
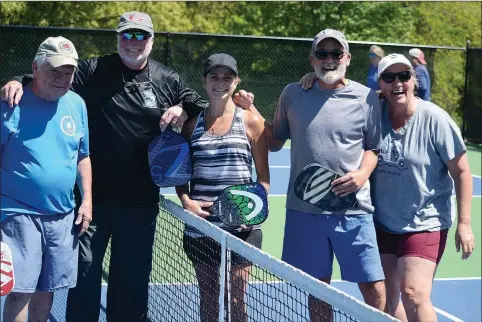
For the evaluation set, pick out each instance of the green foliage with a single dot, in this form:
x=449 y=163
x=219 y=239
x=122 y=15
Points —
x=425 y=23
x=448 y=24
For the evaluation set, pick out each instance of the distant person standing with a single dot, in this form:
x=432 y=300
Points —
x=417 y=59
x=376 y=54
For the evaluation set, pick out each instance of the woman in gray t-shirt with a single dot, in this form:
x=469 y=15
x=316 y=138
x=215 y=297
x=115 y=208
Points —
x=412 y=188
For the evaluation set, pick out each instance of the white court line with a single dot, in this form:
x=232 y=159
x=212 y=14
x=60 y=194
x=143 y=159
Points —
x=333 y=281
x=458 y=279
x=283 y=195
x=436 y=279
x=439 y=311
x=280 y=166
x=175 y=195
x=447 y=315
x=474 y=175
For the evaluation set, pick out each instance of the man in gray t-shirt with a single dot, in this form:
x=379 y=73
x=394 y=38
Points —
x=335 y=124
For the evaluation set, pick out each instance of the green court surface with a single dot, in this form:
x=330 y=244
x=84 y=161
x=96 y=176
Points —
x=451 y=265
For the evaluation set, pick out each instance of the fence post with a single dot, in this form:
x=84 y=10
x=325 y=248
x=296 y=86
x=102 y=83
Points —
x=166 y=58
x=464 y=100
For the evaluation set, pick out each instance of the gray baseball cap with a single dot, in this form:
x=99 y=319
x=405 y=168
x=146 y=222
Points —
x=220 y=60
x=59 y=51
x=330 y=33
x=135 y=20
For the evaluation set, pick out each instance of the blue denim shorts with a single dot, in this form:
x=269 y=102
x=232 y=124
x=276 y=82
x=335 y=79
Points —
x=44 y=251
x=311 y=240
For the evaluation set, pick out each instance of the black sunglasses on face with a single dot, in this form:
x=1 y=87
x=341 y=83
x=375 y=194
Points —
x=323 y=54
x=390 y=77
x=138 y=35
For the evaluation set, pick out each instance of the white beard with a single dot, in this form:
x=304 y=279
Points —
x=330 y=77
x=129 y=59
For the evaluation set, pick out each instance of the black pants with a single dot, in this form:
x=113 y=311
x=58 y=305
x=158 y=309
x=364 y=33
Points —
x=132 y=229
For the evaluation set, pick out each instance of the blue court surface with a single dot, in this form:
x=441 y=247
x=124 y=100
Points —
x=456 y=296
x=279 y=163
x=454 y=299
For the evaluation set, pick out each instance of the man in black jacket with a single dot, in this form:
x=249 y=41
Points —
x=126 y=94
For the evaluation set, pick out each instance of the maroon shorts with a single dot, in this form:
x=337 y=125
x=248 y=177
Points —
x=426 y=244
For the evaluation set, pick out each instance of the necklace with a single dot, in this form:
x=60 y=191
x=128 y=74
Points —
x=218 y=122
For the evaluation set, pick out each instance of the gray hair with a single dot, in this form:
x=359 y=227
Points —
x=40 y=60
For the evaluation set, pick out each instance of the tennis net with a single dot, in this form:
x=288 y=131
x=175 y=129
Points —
x=254 y=285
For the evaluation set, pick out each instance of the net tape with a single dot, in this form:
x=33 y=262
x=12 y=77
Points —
x=276 y=291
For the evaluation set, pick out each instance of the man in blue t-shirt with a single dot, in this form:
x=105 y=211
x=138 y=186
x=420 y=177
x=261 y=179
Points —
x=44 y=145
x=375 y=54
x=417 y=59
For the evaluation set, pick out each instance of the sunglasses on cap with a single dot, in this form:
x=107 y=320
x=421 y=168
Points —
x=138 y=35
x=323 y=54
x=390 y=77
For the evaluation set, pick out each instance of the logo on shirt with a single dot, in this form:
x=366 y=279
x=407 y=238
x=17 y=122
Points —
x=149 y=99
x=391 y=155
x=67 y=125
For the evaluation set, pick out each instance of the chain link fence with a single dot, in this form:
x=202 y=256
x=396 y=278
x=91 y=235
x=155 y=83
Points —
x=266 y=64
x=472 y=128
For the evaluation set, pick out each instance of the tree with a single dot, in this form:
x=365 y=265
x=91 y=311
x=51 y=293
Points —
x=425 y=23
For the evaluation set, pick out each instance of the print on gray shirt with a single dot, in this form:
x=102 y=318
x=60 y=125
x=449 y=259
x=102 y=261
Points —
x=329 y=127
x=411 y=185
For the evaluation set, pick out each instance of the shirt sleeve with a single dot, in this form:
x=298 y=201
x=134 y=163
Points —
x=24 y=79
x=447 y=138
x=373 y=128
x=83 y=74
x=4 y=130
x=84 y=141
x=281 y=127
x=191 y=102
x=7 y=123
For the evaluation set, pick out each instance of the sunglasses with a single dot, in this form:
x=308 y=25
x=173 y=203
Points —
x=390 y=77
x=372 y=55
x=138 y=35
x=335 y=54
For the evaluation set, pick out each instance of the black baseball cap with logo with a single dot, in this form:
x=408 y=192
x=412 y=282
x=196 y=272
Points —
x=220 y=60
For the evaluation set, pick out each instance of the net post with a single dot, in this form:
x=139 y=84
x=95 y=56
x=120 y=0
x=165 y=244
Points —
x=222 y=277
x=464 y=98
x=228 y=282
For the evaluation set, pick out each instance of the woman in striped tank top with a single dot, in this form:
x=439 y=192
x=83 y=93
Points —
x=224 y=141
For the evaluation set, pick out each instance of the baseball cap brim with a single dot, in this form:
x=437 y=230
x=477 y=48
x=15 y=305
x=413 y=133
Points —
x=341 y=41
x=392 y=59
x=134 y=26
x=59 y=60
x=207 y=70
